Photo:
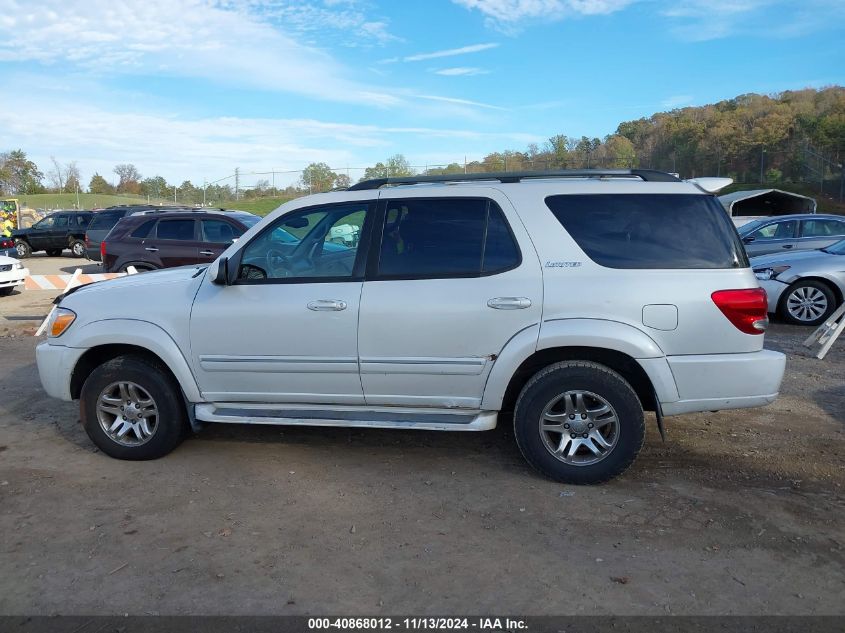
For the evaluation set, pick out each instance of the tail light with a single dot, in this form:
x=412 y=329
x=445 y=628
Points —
x=747 y=309
x=103 y=250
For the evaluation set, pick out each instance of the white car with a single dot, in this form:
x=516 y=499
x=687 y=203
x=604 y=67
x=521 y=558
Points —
x=575 y=300
x=12 y=274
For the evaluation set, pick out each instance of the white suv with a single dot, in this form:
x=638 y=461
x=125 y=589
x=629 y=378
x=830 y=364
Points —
x=576 y=300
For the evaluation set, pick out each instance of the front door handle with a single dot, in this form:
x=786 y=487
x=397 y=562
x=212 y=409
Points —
x=509 y=303
x=787 y=245
x=327 y=305
x=206 y=252
x=152 y=249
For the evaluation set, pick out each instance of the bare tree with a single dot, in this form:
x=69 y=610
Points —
x=73 y=179
x=129 y=176
x=56 y=176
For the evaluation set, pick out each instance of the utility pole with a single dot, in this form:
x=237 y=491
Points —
x=204 y=187
x=237 y=183
x=174 y=193
x=79 y=207
x=762 y=155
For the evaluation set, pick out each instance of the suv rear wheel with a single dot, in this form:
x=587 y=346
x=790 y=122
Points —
x=579 y=422
x=132 y=409
x=77 y=247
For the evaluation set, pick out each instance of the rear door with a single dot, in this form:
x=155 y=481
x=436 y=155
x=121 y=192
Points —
x=820 y=233
x=449 y=282
x=774 y=237
x=173 y=243
x=216 y=235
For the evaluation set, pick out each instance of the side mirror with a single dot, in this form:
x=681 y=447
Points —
x=221 y=275
x=748 y=239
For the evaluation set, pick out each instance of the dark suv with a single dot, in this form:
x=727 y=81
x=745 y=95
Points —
x=56 y=232
x=106 y=219
x=163 y=239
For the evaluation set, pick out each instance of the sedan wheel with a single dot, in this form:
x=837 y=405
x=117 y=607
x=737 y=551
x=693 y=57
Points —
x=808 y=303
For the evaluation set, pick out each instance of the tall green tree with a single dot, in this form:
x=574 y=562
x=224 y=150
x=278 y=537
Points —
x=99 y=185
x=18 y=174
x=318 y=177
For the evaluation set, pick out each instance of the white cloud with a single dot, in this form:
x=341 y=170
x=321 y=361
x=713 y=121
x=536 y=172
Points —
x=181 y=148
x=451 y=52
x=465 y=102
x=509 y=12
x=676 y=101
x=225 y=42
x=460 y=71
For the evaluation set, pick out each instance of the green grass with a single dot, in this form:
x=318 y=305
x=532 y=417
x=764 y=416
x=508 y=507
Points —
x=262 y=206
x=86 y=200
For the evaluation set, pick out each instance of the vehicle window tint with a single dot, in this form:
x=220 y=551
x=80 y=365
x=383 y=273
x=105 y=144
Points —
x=309 y=244
x=60 y=222
x=666 y=231
x=143 y=230
x=83 y=220
x=105 y=220
x=822 y=228
x=175 y=230
x=445 y=237
x=775 y=231
x=46 y=223
x=219 y=231
x=500 y=249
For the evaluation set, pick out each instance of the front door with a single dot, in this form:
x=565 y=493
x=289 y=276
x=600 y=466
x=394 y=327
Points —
x=454 y=280
x=287 y=330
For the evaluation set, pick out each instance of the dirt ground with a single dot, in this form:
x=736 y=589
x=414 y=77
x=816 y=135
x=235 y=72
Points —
x=739 y=512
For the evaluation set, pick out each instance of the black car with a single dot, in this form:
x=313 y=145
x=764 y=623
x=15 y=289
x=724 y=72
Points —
x=105 y=220
x=162 y=239
x=53 y=234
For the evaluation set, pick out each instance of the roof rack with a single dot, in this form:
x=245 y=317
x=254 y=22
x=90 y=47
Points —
x=648 y=175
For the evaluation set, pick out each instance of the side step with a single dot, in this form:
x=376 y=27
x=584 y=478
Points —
x=320 y=415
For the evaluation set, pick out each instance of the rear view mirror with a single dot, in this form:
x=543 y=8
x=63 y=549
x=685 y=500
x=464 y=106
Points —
x=297 y=223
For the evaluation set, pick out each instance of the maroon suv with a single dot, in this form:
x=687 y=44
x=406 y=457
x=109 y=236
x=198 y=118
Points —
x=162 y=239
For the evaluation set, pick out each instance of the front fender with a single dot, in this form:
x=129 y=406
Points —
x=141 y=334
x=596 y=333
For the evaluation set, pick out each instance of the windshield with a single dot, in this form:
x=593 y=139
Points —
x=747 y=229
x=836 y=249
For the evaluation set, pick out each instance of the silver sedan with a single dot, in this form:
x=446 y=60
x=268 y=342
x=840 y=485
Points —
x=803 y=287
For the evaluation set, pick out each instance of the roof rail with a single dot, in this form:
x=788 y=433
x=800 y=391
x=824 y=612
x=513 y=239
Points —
x=648 y=175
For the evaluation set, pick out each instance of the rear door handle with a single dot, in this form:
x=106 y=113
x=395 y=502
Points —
x=152 y=249
x=787 y=245
x=327 y=305
x=206 y=252
x=509 y=303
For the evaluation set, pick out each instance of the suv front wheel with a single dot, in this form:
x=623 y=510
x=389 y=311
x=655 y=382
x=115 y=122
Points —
x=579 y=422
x=132 y=409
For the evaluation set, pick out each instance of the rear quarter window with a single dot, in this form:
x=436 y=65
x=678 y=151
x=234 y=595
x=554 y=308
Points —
x=662 y=231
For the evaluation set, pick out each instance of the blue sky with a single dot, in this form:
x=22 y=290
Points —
x=191 y=89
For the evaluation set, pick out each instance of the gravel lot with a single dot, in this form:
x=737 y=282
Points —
x=737 y=513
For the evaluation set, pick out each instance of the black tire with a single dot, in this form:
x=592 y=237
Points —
x=171 y=424
x=553 y=382
x=23 y=248
x=809 y=287
x=77 y=248
x=54 y=252
x=5 y=292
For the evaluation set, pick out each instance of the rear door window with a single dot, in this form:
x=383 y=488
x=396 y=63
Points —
x=182 y=230
x=144 y=230
x=219 y=232
x=822 y=228
x=661 y=231
x=445 y=237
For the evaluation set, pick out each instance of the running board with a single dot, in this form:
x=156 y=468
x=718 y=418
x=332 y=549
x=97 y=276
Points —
x=375 y=417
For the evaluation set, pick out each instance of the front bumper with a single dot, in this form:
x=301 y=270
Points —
x=774 y=289
x=55 y=368
x=711 y=382
x=12 y=278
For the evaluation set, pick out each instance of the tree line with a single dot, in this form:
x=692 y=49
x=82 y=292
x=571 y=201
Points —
x=792 y=136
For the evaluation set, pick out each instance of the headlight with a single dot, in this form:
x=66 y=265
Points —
x=60 y=321
x=19 y=266
x=764 y=274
